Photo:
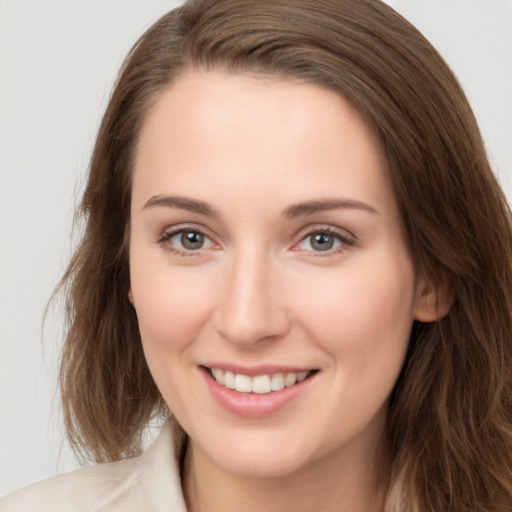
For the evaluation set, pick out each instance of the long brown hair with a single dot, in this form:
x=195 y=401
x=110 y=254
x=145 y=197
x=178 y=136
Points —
x=448 y=440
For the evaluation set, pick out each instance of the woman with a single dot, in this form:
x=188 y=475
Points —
x=294 y=242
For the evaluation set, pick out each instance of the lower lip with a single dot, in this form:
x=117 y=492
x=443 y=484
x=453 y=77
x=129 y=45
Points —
x=254 y=405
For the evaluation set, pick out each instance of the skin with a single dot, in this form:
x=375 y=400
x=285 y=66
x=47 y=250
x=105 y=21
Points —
x=259 y=292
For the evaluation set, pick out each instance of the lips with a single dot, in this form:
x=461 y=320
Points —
x=253 y=398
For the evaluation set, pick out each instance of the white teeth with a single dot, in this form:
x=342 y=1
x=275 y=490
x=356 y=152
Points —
x=243 y=383
x=277 y=382
x=290 y=379
x=229 y=380
x=301 y=376
x=219 y=375
x=260 y=384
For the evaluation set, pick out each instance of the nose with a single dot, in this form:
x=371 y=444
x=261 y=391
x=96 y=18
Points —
x=251 y=308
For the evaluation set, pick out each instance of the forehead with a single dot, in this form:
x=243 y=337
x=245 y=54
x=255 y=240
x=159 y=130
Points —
x=216 y=130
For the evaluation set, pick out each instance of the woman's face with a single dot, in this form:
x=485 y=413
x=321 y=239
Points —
x=266 y=249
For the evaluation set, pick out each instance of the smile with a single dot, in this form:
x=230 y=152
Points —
x=257 y=392
x=259 y=384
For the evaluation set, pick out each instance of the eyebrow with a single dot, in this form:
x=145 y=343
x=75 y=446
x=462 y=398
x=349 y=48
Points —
x=323 y=205
x=182 y=203
x=293 y=211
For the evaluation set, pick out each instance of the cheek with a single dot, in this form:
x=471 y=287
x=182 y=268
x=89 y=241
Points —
x=364 y=318
x=170 y=309
x=165 y=316
x=169 y=304
x=363 y=323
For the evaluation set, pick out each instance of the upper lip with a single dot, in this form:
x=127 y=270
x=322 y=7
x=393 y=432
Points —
x=252 y=371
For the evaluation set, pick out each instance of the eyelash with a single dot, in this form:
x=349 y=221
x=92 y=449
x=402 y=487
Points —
x=346 y=241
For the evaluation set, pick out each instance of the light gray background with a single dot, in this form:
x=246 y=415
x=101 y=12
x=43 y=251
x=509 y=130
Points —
x=58 y=60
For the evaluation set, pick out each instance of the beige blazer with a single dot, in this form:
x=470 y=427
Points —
x=149 y=483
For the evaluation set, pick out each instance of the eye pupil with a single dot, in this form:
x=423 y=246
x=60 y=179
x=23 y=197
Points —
x=192 y=240
x=322 y=241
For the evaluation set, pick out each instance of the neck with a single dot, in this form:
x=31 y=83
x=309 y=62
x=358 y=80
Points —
x=345 y=480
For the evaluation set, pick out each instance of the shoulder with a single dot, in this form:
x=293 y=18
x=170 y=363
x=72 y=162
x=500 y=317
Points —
x=149 y=483
x=88 y=489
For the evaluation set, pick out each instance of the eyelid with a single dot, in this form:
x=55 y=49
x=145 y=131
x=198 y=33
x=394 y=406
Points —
x=178 y=228
x=326 y=228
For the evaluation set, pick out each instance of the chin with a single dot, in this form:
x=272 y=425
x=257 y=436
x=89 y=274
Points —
x=259 y=456
x=262 y=467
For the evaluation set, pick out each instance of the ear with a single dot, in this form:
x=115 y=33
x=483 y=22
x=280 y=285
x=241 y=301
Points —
x=433 y=301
